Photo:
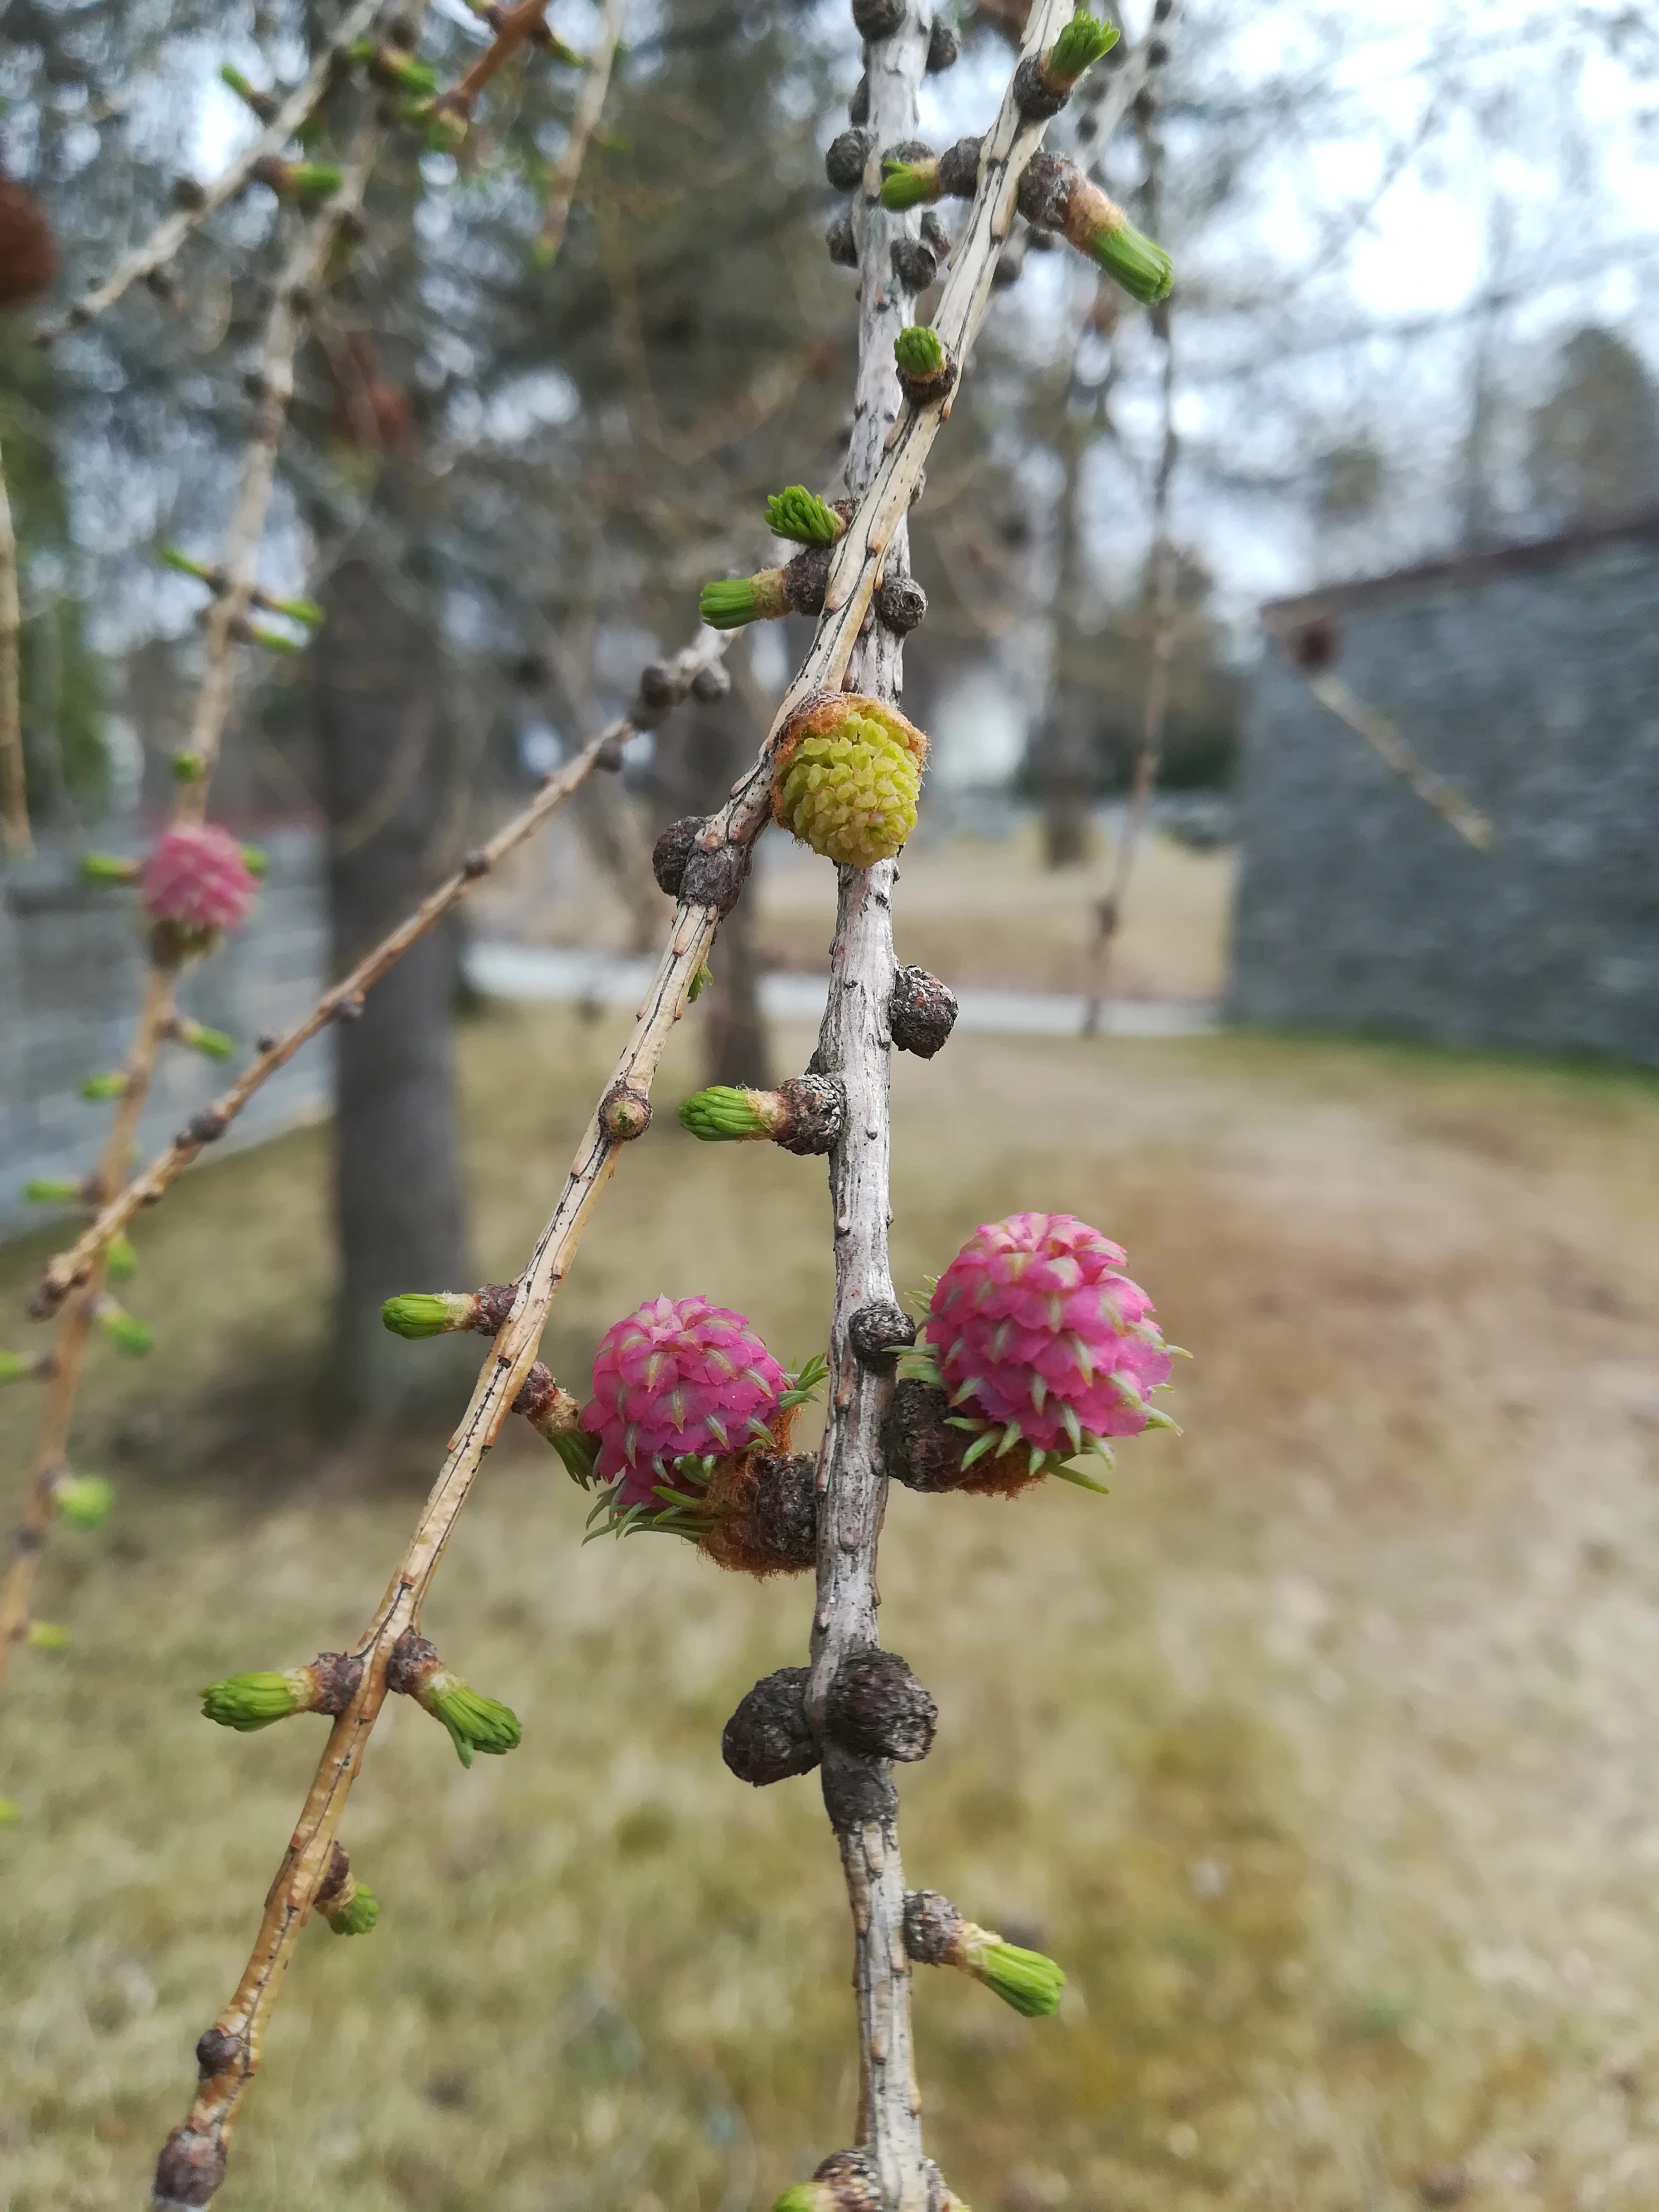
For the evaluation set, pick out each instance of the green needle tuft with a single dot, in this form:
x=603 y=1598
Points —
x=84 y=1500
x=356 y=1913
x=801 y=515
x=729 y=603
x=1083 y=42
x=248 y=1702
x=919 y=351
x=475 y=1723
x=907 y=184
x=416 y=1313
x=1136 y=262
x=722 y=1115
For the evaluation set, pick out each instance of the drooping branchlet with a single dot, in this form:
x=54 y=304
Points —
x=769 y=1737
x=921 y=1012
x=804 y=1115
x=475 y=1723
x=937 y=1934
x=878 y=1709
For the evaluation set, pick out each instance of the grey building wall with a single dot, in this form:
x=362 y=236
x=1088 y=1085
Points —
x=1530 y=679
x=71 y=972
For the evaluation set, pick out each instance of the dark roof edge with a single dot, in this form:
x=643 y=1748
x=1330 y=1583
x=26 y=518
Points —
x=1278 y=615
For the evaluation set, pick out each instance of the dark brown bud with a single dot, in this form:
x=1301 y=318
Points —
x=216 y=2052
x=658 y=685
x=878 y=1708
x=715 y=879
x=921 y=1012
x=1145 y=105
x=609 y=756
x=842 y=245
x=188 y=194
x=335 y=1877
x=475 y=864
x=815 y=1109
x=858 y=107
x=1314 y=645
x=878 y=1329
x=806 y=578
x=338 y=1675
x=539 y=1393
x=191 y=2167
x=901 y=604
x=494 y=1304
x=875 y=20
x=769 y=1737
x=203 y=1128
x=1045 y=190
x=958 y=169
x=783 y=1510
x=267 y=1041
x=934 y=235
x=922 y=1451
x=711 y=681
x=930 y=1924
x=944 y=47
x=913 y=264
x=1037 y=99
x=850 y=2177
x=348 y=1009
x=1158 y=53
x=413 y=1658
x=845 y=162
x=625 y=1113
x=672 y=851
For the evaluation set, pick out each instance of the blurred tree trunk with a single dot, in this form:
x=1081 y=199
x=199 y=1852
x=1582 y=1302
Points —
x=1065 y=759
x=399 y=1205
x=697 y=763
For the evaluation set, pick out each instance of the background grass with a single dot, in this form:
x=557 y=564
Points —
x=1322 y=1752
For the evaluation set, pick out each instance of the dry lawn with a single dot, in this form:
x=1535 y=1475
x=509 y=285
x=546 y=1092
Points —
x=1324 y=1753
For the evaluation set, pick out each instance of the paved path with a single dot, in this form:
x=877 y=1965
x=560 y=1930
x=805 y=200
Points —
x=606 y=979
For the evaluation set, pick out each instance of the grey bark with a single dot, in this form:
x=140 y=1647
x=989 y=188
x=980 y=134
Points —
x=400 y=1204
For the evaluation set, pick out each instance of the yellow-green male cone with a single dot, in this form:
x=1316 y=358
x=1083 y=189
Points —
x=846 y=776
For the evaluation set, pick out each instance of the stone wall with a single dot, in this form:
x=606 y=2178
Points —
x=1530 y=679
x=71 y=971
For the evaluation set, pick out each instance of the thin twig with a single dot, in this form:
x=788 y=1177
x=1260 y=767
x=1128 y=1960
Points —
x=14 y=783
x=1165 y=579
x=561 y=184
x=164 y=241
x=513 y=26
x=48 y=1465
x=1474 y=827
x=68 y=1268
x=194 y=2158
x=234 y=576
